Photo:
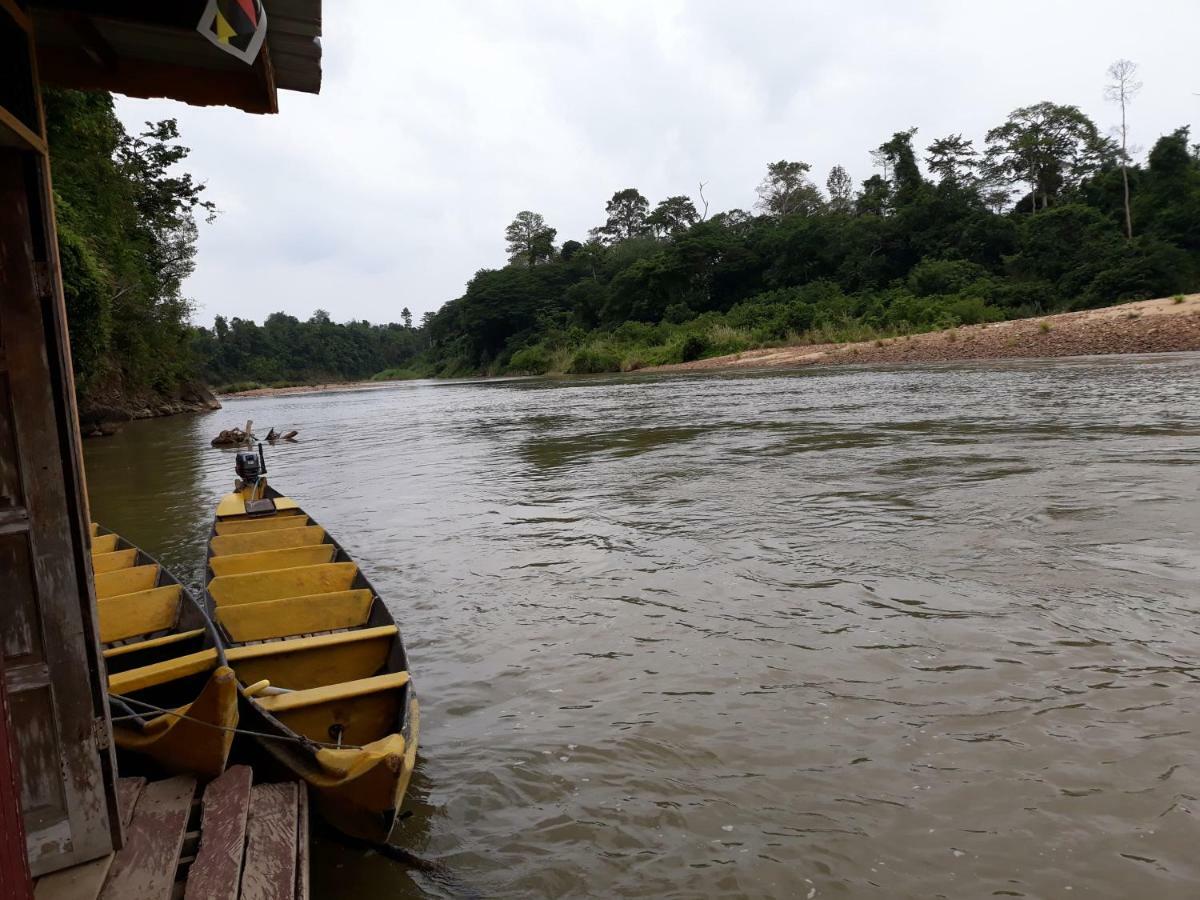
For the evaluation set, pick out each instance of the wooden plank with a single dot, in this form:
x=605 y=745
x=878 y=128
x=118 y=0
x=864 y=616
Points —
x=216 y=873
x=128 y=791
x=302 y=841
x=14 y=868
x=84 y=882
x=145 y=867
x=270 y=872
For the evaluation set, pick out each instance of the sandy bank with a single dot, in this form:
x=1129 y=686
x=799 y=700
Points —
x=1148 y=326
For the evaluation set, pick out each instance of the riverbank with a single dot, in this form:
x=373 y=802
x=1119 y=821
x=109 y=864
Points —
x=1147 y=326
x=103 y=409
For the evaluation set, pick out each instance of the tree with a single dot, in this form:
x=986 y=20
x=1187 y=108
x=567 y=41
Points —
x=673 y=215
x=840 y=188
x=627 y=213
x=530 y=241
x=406 y=317
x=787 y=191
x=874 y=198
x=898 y=154
x=953 y=159
x=1121 y=89
x=1048 y=147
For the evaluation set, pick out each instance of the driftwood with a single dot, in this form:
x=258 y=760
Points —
x=233 y=437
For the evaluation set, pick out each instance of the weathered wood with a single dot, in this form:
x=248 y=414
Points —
x=128 y=791
x=302 y=841
x=145 y=867
x=14 y=869
x=216 y=873
x=270 y=871
x=67 y=790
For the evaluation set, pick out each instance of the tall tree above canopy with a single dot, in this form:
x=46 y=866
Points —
x=1121 y=89
x=673 y=215
x=953 y=159
x=1049 y=148
x=906 y=174
x=530 y=240
x=787 y=191
x=627 y=212
x=840 y=188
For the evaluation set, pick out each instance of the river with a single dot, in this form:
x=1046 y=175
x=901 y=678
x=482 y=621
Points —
x=858 y=632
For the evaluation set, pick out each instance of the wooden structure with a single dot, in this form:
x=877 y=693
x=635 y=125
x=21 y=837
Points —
x=232 y=840
x=63 y=793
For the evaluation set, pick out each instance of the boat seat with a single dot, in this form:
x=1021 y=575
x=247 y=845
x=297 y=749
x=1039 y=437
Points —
x=138 y=612
x=134 y=680
x=309 y=662
x=266 y=560
x=276 y=584
x=278 y=539
x=235 y=505
x=174 y=637
x=358 y=711
x=285 y=519
x=126 y=581
x=104 y=543
x=291 y=616
x=116 y=559
x=95 y=529
x=333 y=693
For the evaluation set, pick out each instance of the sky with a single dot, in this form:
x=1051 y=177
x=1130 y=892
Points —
x=438 y=121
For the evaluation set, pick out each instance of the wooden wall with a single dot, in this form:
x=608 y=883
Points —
x=57 y=709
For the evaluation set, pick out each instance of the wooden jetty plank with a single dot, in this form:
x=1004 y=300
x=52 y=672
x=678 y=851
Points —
x=270 y=871
x=217 y=870
x=145 y=867
x=301 y=841
x=84 y=882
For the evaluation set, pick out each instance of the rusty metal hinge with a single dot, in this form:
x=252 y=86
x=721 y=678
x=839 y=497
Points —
x=43 y=281
x=101 y=733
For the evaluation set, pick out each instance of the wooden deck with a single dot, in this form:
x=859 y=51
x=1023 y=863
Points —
x=233 y=840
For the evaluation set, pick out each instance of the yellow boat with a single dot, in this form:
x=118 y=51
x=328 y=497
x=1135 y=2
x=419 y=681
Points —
x=322 y=665
x=183 y=720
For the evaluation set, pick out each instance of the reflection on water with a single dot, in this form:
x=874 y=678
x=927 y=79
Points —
x=861 y=632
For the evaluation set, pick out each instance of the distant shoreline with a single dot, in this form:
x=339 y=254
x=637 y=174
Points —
x=1147 y=326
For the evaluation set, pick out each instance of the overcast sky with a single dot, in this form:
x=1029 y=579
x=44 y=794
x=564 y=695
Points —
x=437 y=122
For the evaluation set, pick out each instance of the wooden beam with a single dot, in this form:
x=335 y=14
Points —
x=92 y=41
x=21 y=19
x=145 y=866
x=243 y=89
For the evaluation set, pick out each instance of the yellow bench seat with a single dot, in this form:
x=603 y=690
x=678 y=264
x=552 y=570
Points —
x=276 y=584
x=267 y=560
x=361 y=711
x=126 y=581
x=275 y=539
x=116 y=559
x=297 y=664
x=284 y=519
x=138 y=612
x=295 y=615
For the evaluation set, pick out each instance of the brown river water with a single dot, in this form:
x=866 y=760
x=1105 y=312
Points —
x=891 y=632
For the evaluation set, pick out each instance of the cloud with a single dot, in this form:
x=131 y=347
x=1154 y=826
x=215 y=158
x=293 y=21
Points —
x=439 y=121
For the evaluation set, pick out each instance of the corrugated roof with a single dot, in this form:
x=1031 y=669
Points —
x=294 y=40
x=151 y=48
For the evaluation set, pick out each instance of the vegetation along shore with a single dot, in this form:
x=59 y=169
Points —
x=938 y=254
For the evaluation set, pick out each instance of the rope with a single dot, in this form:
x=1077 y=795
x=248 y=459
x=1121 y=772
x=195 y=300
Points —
x=307 y=742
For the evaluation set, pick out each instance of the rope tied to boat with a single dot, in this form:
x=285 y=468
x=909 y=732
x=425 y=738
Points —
x=298 y=739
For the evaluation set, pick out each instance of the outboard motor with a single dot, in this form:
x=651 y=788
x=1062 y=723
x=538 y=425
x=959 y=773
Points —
x=251 y=467
x=248 y=466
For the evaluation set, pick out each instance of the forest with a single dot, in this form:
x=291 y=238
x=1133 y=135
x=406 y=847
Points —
x=1045 y=213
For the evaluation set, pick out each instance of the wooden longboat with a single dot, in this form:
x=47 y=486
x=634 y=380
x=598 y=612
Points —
x=323 y=671
x=172 y=697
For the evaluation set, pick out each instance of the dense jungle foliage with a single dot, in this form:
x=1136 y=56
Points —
x=1032 y=223
x=1047 y=215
